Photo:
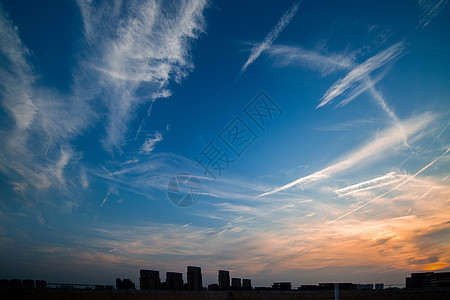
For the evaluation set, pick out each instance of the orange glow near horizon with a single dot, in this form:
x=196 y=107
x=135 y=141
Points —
x=436 y=267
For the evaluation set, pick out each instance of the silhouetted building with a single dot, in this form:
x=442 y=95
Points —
x=379 y=286
x=213 y=287
x=347 y=286
x=149 y=280
x=235 y=284
x=364 y=287
x=285 y=286
x=41 y=284
x=4 y=284
x=224 y=280
x=246 y=284
x=408 y=282
x=440 y=279
x=10 y=284
x=174 y=281
x=194 y=278
x=428 y=279
x=326 y=286
x=28 y=283
x=125 y=284
x=309 y=287
x=15 y=283
x=420 y=280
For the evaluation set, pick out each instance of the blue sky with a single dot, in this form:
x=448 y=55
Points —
x=318 y=131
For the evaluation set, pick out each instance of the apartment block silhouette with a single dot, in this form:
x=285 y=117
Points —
x=174 y=281
x=224 y=280
x=149 y=280
x=194 y=278
x=235 y=284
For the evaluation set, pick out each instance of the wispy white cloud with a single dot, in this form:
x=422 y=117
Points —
x=83 y=179
x=379 y=99
x=365 y=184
x=365 y=85
x=152 y=172
x=99 y=18
x=19 y=186
x=354 y=84
x=395 y=187
x=142 y=47
x=16 y=75
x=43 y=121
x=150 y=142
x=149 y=112
x=430 y=9
x=352 y=124
x=134 y=50
x=325 y=63
x=439 y=135
x=383 y=142
x=271 y=37
x=106 y=197
x=361 y=72
x=62 y=162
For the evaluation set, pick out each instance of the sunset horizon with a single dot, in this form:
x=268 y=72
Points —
x=287 y=141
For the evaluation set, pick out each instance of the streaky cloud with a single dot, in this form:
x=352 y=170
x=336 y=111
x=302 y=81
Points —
x=430 y=9
x=364 y=184
x=439 y=135
x=138 y=48
x=360 y=73
x=271 y=37
x=150 y=142
x=384 y=141
x=329 y=63
x=382 y=102
x=325 y=63
x=36 y=144
x=395 y=187
x=368 y=83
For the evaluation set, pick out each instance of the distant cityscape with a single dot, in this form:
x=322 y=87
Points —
x=150 y=280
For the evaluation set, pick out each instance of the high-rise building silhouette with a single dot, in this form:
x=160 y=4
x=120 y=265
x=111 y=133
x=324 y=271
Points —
x=224 y=280
x=235 y=284
x=194 y=278
x=41 y=284
x=174 y=281
x=408 y=283
x=28 y=283
x=428 y=279
x=149 y=280
x=246 y=284
x=441 y=279
x=421 y=280
x=125 y=284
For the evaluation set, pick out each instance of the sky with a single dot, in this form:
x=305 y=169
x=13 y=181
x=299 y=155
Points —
x=291 y=141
